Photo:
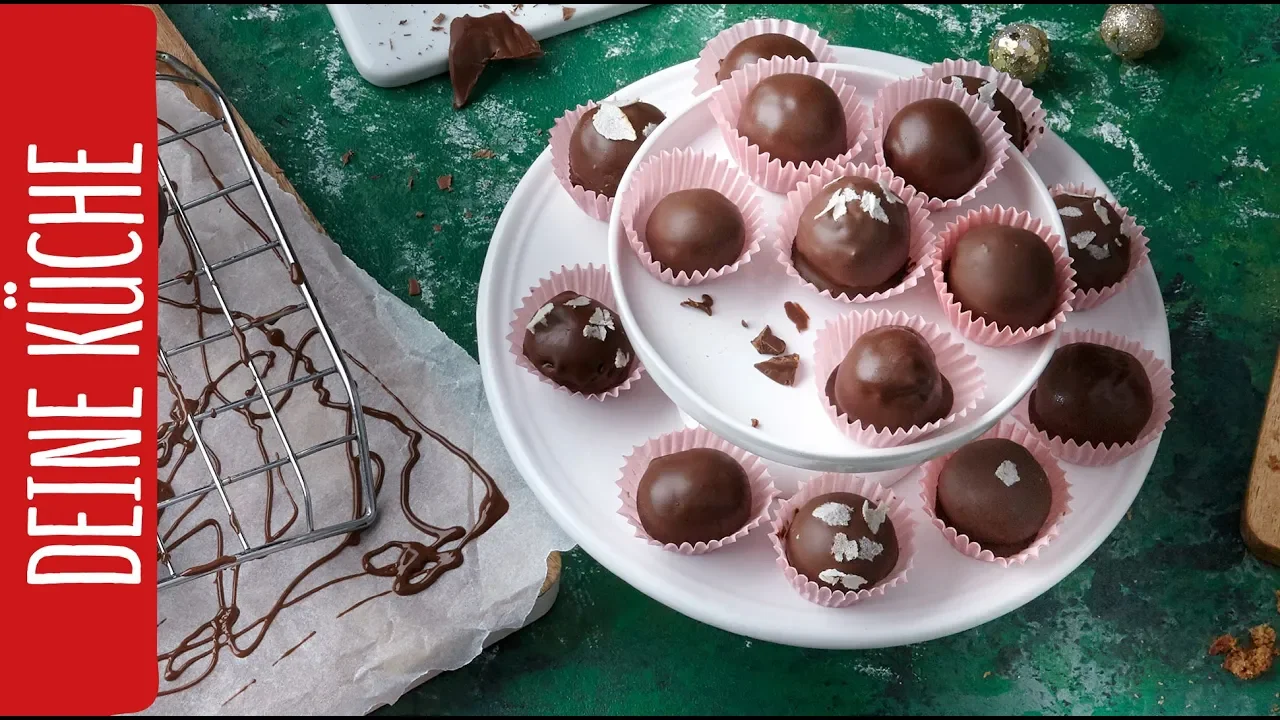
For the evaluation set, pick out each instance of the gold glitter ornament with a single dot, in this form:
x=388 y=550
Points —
x=1130 y=31
x=1022 y=50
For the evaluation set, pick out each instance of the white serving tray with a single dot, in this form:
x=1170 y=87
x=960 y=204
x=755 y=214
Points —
x=570 y=449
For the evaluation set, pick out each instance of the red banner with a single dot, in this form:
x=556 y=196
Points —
x=78 y=218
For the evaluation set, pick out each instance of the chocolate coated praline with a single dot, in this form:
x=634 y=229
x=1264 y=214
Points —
x=695 y=230
x=579 y=344
x=1099 y=251
x=933 y=145
x=597 y=162
x=890 y=379
x=849 y=244
x=1092 y=394
x=998 y=101
x=843 y=541
x=693 y=496
x=1004 y=275
x=761 y=47
x=795 y=118
x=995 y=492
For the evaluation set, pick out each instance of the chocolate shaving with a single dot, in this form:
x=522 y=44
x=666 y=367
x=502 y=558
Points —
x=439 y=19
x=412 y=176
x=766 y=343
x=445 y=182
x=755 y=423
x=466 y=213
x=567 y=12
x=797 y=315
x=403 y=22
x=346 y=157
x=473 y=42
x=415 y=288
x=419 y=214
x=435 y=29
x=483 y=154
x=744 y=323
x=437 y=228
x=781 y=369
x=704 y=305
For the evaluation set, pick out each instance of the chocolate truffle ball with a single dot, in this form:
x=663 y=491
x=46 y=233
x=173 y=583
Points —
x=695 y=231
x=853 y=238
x=1099 y=251
x=1004 y=275
x=605 y=140
x=579 y=344
x=795 y=118
x=1092 y=394
x=933 y=145
x=693 y=496
x=843 y=541
x=996 y=100
x=890 y=379
x=761 y=47
x=995 y=492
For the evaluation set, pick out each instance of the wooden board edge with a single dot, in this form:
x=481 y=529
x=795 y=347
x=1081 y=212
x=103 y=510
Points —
x=1260 y=514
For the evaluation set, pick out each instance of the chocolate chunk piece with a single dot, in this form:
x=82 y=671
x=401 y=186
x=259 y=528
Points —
x=474 y=41
x=797 y=315
x=781 y=369
x=704 y=304
x=766 y=343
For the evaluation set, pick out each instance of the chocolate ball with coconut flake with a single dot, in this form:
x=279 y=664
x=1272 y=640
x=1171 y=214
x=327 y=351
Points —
x=605 y=140
x=842 y=541
x=1099 y=250
x=579 y=344
x=854 y=238
x=988 y=95
x=995 y=492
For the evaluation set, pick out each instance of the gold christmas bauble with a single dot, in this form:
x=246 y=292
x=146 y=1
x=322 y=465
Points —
x=1131 y=31
x=1022 y=50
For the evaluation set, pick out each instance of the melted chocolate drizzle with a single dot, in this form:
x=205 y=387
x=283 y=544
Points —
x=412 y=565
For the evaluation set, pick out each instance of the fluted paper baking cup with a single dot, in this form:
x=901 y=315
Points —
x=1023 y=99
x=897 y=95
x=591 y=281
x=921 y=227
x=961 y=369
x=1158 y=372
x=762 y=490
x=1138 y=250
x=704 y=71
x=674 y=170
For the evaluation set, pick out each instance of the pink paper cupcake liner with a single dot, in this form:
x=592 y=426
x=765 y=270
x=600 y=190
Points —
x=975 y=328
x=704 y=71
x=899 y=515
x=1161 y=377
x=1020 y=95
x=768 y=172
x=592 y=203
x=674 y=170
x=1058 y=509
x=591 y=281
x=897 y=95
x=960 y=368
x=1138 y=250
x=762 y=490
x=922 y=237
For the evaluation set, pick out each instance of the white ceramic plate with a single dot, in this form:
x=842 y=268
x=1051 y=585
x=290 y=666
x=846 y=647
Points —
x=706 y=365
x=570 y=449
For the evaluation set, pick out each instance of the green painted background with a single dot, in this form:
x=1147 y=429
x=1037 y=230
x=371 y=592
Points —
x=1186 y=139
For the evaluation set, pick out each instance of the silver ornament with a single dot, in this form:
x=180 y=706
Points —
x=1022 y=50
x=1130 y=31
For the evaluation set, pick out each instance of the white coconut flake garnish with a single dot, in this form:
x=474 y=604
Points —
x=621 y=359
x=1099 y=208
x=869 y=549
x=1007 y=473
x=890 y=197
x=612 y=123
x=1083 y=238
x=835 y=577
x=833 y=513
x=1099 y=252
x=580 y=301
x=957 y=82
x=987 y=95
x=599 y=325
x=648 y=129
x=1070 y=211
x=838 y=202
x=871 y=205
x=843 y=549
x=874 y=516
x=540 y=316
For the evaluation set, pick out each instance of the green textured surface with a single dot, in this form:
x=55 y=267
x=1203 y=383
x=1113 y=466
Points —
x=1186 y=139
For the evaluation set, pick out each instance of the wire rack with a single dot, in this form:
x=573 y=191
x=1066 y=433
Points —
x=357 y=440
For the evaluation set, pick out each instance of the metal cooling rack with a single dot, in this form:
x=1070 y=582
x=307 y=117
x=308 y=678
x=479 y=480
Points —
x=357 y=440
